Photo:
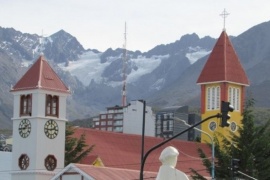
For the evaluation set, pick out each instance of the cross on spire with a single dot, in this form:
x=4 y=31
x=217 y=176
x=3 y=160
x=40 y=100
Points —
x=224 y=14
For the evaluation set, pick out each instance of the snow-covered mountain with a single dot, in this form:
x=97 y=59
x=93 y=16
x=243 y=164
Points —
x=94 y=77
x=165 y=75
x=94 y=67
x=89 y=67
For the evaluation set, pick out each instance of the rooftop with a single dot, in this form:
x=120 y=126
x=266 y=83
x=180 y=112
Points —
x=119 y=150
x=40 y=76
x=223 y=64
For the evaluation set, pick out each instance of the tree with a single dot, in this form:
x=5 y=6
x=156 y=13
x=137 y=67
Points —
x=251 y=145
x=75 y=148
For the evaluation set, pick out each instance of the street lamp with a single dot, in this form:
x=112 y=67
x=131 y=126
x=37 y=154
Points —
x=213 y=144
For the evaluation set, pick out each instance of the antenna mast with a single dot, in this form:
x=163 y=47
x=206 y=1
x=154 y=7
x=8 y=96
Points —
x=42 y=42
x=124 y=57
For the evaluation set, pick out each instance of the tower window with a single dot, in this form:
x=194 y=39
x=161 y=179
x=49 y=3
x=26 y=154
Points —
x=52 y=105
x=234 y=97
x=26 y=105
x=213 y=98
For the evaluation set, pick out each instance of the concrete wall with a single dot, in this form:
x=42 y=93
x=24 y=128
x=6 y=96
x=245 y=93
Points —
x=133 y=119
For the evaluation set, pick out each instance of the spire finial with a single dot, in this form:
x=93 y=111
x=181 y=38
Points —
x=224 y=14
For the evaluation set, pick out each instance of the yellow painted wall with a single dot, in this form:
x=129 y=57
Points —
x=236 y=116
x=98 y=162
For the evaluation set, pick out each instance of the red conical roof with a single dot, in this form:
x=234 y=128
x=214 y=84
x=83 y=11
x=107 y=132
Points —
x=40 y=76
x=223 y=64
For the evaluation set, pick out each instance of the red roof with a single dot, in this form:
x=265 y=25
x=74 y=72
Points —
x=223 y=64
x=124 y=151
x=40 y=76
x=113 y=173
x=103 y=173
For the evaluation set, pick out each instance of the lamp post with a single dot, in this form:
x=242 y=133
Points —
x=143 y=129
x=167 y=140
x=213 y=145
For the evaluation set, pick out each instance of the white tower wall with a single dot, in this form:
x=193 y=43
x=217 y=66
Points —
x=37 y=145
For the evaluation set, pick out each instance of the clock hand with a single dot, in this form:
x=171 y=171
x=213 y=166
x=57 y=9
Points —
x=53 y=128
x=24 y=127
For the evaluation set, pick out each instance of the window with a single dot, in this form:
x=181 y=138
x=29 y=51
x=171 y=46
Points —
x=110 y=111
x=118 y=116
x=103 y=116
x=109 y=123
x=52 y=103
x=110 y=116
x=234 y=97
x=103 y=129
x=158 y=131
x=118 y=129
x=119 y=110
x=237 y=105
x=26 y=105
x=217 y=97
x=118 y=123
x=213 y=98
x=109 y=129
x=164 y=125
x=171 y=125
x=208 y=98
x=24 y=161
x=50 y=162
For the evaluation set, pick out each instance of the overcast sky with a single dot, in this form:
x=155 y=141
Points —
x=99 y=24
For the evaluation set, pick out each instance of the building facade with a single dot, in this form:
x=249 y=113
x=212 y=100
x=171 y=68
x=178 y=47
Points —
x=167 y=126
x=128 y=119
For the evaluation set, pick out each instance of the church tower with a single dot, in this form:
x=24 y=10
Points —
x=39 y=118
x=222 y=79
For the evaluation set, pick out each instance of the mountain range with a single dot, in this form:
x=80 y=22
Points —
x=164 y=76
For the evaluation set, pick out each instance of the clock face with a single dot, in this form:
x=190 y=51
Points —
x=233 y=126
x=212 y=126
x=24 y=161
x=51 y=129
x=24 y=128
x=50 y=162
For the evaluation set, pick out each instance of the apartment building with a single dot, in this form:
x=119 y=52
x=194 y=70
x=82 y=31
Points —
x=167 y=126
x=127 y=119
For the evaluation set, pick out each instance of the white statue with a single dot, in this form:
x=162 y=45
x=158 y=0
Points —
x=167 y=171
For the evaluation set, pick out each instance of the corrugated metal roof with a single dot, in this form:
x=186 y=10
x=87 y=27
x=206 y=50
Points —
x=223 y=64
x=124 y=151
x=102 y=173
x=40 y=76
x=107 y=173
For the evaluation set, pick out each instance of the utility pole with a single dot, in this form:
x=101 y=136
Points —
x=143 y=130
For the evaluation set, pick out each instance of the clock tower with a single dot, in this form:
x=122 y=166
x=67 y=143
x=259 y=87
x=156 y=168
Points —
x=39 y=118
x=222 y=79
